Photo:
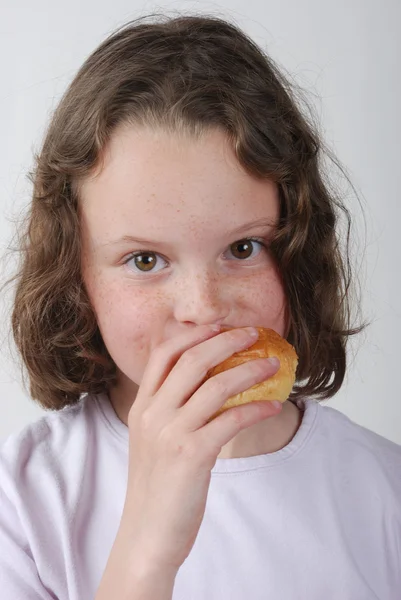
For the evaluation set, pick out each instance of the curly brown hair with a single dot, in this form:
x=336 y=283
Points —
x=186 y=74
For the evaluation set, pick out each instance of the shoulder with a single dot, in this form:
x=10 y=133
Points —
x=24 y=453
x=350 y=432
x=48 y=495
x=357 y=449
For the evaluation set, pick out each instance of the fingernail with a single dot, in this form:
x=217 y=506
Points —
x=276 y=403
x=274 y=361
x=252 y=331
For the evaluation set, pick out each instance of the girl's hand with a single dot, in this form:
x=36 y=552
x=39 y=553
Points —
x=172 y=448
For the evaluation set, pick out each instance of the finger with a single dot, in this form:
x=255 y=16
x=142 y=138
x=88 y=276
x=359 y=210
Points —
x=219 y=431
x=163 y=359
x=211 y=396
x=191 y=369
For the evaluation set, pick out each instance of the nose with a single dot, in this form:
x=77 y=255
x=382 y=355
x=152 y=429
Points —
x=202 y=300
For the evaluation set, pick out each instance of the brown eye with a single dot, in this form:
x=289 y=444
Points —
x=144 y=262
x=243 y=249
x=148 y=260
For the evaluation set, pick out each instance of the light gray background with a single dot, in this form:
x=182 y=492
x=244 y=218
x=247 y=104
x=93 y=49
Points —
x=345 y=54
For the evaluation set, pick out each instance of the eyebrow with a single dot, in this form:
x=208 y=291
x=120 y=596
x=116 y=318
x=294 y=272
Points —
x=134 y=239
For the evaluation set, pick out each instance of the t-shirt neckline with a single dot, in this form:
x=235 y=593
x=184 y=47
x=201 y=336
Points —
x=310 y=414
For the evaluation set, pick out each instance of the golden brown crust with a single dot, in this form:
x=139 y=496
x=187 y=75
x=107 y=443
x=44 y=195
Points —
x=277 y=387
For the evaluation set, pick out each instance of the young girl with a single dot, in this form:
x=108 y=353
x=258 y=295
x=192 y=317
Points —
x=179 y=189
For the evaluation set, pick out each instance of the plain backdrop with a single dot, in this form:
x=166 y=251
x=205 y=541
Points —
x=344 y=54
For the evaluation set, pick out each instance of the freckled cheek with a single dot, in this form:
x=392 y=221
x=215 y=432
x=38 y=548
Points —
x=125 y=312
x=131 y=323
x=265 y=302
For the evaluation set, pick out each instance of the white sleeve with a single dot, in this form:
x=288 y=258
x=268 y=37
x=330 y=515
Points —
x=19 y=578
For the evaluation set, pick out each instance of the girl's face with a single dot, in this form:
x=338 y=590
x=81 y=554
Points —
x=197 y=210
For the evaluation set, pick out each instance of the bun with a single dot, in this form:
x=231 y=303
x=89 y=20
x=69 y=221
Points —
x=279 y=386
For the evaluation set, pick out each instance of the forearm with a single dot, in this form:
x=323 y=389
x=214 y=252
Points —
x=129 y=576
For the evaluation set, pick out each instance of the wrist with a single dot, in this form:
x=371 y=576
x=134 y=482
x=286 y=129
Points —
x=136 y=550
